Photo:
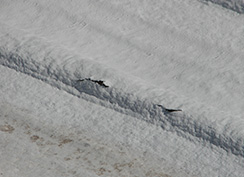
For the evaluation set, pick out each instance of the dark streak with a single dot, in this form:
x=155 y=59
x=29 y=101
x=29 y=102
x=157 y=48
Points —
x=168 y=110
x=99 y=82
x=173 y=110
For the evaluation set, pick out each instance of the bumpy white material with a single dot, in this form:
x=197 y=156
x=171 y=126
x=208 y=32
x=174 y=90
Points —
x=178 y=54
x=236 y=5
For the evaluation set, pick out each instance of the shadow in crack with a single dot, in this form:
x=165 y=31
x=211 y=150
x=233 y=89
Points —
x=99 y=82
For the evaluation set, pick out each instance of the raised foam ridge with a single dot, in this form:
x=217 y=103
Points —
x=61 y=69
x=235 y=5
